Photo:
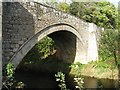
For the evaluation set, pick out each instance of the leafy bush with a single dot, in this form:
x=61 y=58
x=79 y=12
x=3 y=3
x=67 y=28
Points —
x=9 y=83
x=10 y=70
x=46 y=46
x=60 y=77
x=41 y=50
x=109 y=44
x=78 y=78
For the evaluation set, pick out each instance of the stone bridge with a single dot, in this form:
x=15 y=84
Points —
x=25 y=23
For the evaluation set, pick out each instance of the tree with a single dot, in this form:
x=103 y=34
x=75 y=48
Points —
x=64 y=7
x=103 y=14
x=81 y=10
x=74 y=8
x=109 y=44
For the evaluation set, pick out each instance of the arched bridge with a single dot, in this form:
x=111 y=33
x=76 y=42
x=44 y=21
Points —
x=26 y=23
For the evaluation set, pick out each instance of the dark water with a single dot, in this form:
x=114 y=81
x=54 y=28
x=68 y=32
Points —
x=37 y=80
x=47 y=80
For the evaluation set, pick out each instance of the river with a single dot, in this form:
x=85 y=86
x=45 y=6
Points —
x=47 y=80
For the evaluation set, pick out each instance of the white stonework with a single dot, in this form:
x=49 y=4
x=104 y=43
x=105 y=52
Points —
x=92 y=54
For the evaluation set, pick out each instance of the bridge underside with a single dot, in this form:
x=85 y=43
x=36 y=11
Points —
x=67 y=42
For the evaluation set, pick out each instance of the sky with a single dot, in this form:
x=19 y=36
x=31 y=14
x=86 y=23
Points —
x=115 y=2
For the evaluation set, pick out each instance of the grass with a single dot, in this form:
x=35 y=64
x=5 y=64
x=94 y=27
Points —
x=99 y=69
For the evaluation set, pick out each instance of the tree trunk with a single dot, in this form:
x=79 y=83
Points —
x=115 y=57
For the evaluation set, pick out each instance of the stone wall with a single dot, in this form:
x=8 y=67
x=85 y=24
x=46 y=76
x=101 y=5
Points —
x=18 y=26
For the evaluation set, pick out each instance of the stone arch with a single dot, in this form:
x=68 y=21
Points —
x=26 y=47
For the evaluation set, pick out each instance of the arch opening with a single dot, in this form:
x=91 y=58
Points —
x=66 y=38
x=63 y=49
x=65 y=46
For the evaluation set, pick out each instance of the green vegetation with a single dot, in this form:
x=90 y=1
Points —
x=98 y=69
x=60 y=77
x=10 y=70
x=41 y=50
x=78 y=79
x=9 y=82
x=45 y=47
x=64 y=7
x=109 y=45
x=103 y=14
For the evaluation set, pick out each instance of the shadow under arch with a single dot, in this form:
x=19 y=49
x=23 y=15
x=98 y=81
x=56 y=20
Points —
x=27 y=46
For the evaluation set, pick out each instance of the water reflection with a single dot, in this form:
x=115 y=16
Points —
x=36 y=80
x=47 y=80
x=91 y=82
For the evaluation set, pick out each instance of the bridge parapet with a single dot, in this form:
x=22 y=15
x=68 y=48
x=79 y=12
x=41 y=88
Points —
x=42 y=12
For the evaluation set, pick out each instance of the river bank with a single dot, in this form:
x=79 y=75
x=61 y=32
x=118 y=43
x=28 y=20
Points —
x=100 y=73
x=95 y=75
